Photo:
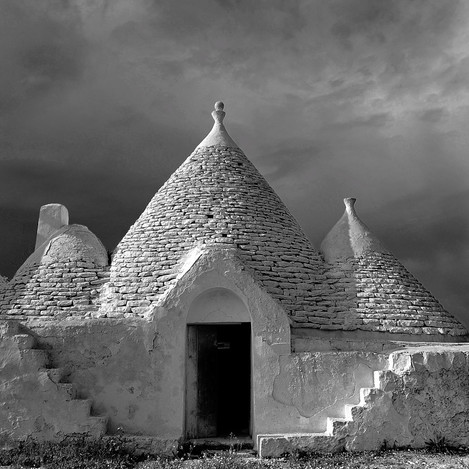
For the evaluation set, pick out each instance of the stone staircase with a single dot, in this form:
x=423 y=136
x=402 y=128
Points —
x=34 y=397
x=331 y=441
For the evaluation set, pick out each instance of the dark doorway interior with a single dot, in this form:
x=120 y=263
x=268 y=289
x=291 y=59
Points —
x=219 y=380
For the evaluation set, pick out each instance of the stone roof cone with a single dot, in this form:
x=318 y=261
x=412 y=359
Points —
x=387 y=297
x=216 y=198
x=350 y=237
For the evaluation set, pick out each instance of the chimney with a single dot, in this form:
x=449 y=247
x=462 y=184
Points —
x=51 y=218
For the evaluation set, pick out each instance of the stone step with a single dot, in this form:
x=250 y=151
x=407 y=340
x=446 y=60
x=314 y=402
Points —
x=91 y=426
x=69 y=390
x=9 y=327
x=95 y=426
x=79 y=409
x=377 y=378
x=274 y=446
x=222 y=443
x=153 y=445
x=33 y=360
x=365 y=394
x=241 y=454
x=24 y=341
x=349 y=410
x=334 y=424
x=55 y=374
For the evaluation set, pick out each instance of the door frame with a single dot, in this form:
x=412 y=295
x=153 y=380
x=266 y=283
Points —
x=190 y=372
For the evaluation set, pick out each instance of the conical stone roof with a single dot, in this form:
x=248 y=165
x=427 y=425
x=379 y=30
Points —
x=374 y=291
x=216 y=198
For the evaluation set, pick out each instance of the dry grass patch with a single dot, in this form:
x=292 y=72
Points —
x=112 y=454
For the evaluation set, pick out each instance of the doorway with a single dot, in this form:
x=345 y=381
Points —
x=218 y=389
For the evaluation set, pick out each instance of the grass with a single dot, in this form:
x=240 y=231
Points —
x=79 y=453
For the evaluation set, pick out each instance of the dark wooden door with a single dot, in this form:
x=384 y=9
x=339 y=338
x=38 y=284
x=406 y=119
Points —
x=218 y=394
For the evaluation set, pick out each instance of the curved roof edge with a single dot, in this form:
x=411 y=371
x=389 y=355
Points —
x=71 y=242
x=350 y=237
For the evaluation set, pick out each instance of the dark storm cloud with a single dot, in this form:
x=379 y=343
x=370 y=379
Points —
x=432 y=115
x=39 y=50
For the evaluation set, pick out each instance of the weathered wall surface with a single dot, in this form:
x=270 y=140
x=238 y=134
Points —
x=134 y=369
x=33 y=401
x=318 y=385
x=121 y=366
x=424 y=395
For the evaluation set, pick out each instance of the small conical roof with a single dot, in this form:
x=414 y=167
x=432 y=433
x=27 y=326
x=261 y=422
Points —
x=215 y=198
x=350 y=237
x=67 y=244
x=382 y=296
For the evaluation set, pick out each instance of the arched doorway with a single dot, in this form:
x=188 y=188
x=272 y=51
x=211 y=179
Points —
x=218 y=366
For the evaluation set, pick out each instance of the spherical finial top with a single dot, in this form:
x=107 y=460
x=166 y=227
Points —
x=219 y=114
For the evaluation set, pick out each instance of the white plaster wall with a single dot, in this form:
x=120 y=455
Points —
x=318 y=385
x=423 y=396
x=134 y=369
x=270 y=329
x=134 y=372
x=218 y=305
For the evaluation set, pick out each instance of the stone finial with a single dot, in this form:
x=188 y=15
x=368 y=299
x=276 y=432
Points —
x=350 y=205
x=350 y=237
x=51 y=218
x=219 y=114
x=218 y=136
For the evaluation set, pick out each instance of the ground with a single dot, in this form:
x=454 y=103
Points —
x=112 y=455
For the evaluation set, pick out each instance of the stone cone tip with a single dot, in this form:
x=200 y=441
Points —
x=218 y=136
x=350 y=237
x=350 y=204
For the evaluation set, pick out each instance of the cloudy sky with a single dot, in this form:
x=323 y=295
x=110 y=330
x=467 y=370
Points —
x=101 y=100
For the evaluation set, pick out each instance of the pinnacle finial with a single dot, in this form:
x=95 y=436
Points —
x=349 y=204
x=218 y=135
x=219 y=114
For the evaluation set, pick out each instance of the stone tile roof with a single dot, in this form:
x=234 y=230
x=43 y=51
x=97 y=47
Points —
x=216 y=197
x=60 y=278
x=373 y=290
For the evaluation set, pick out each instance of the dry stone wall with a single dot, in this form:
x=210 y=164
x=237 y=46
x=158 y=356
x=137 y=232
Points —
x=375 y=293
x=58 y=289
x=216 y=198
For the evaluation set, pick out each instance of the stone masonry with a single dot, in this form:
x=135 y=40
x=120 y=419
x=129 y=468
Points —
x=218 y=199
x=377 y=293
x=61 y=278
